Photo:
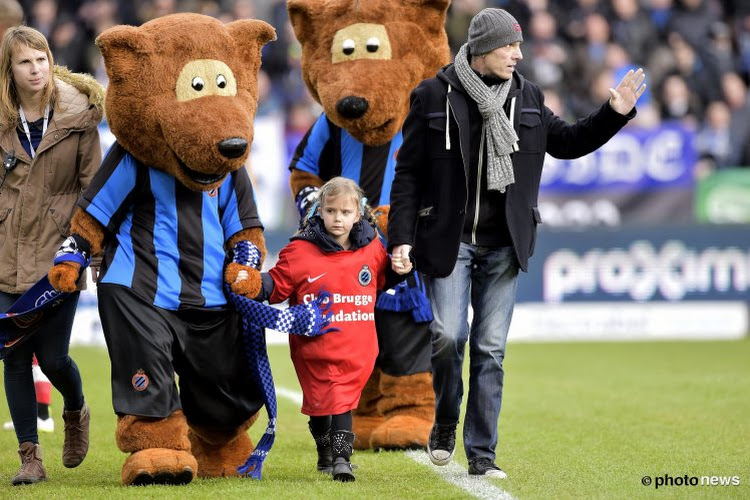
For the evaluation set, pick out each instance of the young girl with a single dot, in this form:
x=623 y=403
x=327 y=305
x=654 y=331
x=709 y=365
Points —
x=337 y=250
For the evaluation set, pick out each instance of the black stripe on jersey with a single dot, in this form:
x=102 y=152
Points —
x=108 y=167
x=190 y=244
x=142 y=236
x=247 y=211
x=372 y=171
x=330 y=158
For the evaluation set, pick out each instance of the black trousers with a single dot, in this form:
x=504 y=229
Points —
x=204 y=347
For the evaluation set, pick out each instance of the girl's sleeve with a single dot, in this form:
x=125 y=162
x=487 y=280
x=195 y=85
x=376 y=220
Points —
x=283 y=276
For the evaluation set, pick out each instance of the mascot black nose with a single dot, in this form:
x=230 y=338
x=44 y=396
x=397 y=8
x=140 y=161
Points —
x=233 y=148
x=352 y=107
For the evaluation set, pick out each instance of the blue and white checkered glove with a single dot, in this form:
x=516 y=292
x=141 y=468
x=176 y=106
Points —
x=246 y=254
x=308 y=320
x=305 y=199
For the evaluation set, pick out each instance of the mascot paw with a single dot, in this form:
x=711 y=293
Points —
x=363 y=427
x=220 y=459
x=243 y=280
x=159 y=466
x=401 y=432
x=63 y=276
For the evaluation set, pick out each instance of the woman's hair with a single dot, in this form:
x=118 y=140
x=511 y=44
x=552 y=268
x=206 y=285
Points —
x=9 y=101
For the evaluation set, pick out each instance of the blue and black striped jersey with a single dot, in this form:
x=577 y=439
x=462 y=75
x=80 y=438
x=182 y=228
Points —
x=166 y=242
x=329 y=151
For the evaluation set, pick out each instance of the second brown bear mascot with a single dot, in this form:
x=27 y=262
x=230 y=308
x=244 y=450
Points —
x=360 y=61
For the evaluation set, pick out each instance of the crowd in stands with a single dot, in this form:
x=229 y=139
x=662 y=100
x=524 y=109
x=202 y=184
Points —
x=696 y=54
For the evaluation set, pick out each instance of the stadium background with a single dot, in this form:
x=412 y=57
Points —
x=642 y=239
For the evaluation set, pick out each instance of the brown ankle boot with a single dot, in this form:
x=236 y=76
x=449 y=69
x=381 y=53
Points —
x=76 y=436
x=31 y=470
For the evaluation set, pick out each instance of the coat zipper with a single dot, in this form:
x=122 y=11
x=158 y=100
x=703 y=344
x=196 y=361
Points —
x=480 y=165
x=461 y=148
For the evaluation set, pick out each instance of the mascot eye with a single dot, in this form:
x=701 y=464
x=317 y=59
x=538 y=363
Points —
x=348 y=46
x=197 y=83
x=221 y=82
x=373 y=44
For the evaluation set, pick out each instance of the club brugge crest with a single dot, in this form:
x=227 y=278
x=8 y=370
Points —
x=140 y=381
x=364 y=276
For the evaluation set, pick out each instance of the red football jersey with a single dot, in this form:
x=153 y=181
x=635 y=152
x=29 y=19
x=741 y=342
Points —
x=333 y=368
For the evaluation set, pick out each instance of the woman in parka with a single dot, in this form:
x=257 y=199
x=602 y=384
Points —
x=50 y=151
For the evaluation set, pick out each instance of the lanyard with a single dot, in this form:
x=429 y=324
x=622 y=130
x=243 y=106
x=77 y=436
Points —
x=25 y=125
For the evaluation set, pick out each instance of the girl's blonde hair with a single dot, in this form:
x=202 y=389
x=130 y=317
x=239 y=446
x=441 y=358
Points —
x=342 y=186
x=9 y=101
x=336 y=187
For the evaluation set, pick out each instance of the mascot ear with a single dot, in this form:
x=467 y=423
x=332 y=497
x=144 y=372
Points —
x=123 y=48
x=250 y=35
x=301 y=14
x=431 y=15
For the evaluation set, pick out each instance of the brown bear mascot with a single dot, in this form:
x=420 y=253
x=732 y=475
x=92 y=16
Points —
x=360 y=61
x=169 y=203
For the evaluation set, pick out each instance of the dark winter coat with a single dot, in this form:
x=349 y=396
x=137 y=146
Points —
x=430 y=191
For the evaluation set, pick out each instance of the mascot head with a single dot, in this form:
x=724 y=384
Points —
x=183 y=91
x=362 y=58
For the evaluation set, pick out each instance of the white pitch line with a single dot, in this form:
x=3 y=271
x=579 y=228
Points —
x=292 y=395
x=478 y=487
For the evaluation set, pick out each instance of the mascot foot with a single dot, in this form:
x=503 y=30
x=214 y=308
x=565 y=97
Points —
x=408 y=404
x=401 y=432
x=159 y=466
x=363 y=428
x=219 y=453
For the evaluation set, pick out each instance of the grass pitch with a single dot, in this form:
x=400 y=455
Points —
x=578 y=421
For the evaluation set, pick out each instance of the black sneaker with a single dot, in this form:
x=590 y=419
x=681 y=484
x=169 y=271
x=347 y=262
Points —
x=442 y=444
x=483 y=466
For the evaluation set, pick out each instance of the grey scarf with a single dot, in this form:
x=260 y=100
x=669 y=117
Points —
x=502 y=139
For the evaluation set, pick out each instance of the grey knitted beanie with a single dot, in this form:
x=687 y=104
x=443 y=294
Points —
x=492 y=28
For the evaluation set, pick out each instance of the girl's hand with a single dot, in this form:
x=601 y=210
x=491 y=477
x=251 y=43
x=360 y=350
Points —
x=401 y=265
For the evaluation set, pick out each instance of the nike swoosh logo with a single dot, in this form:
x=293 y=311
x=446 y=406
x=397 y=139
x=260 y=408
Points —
x=310 y=280
x=13 y=342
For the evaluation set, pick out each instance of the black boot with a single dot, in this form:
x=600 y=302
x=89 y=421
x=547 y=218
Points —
x=342 y=442
x=325 y=454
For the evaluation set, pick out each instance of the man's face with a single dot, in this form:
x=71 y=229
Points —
x=502 y=61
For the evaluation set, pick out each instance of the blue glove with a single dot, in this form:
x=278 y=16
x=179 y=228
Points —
x=308 y=320
x=74 y=249
x=246 y=254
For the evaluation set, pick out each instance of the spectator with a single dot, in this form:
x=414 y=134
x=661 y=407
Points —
x=547 y=54
x=11 y=14
x=677 y=102
x=736 y=95
x=632 y=29
x=713 y=140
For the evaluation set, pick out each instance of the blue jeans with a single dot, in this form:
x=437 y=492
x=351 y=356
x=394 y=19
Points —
x=488 y=277
x=50 y=344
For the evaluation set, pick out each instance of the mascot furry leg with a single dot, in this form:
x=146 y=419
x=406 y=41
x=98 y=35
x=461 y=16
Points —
x=220 y=451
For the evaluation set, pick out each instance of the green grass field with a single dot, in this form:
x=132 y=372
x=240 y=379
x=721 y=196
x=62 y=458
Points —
x=579 y=421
